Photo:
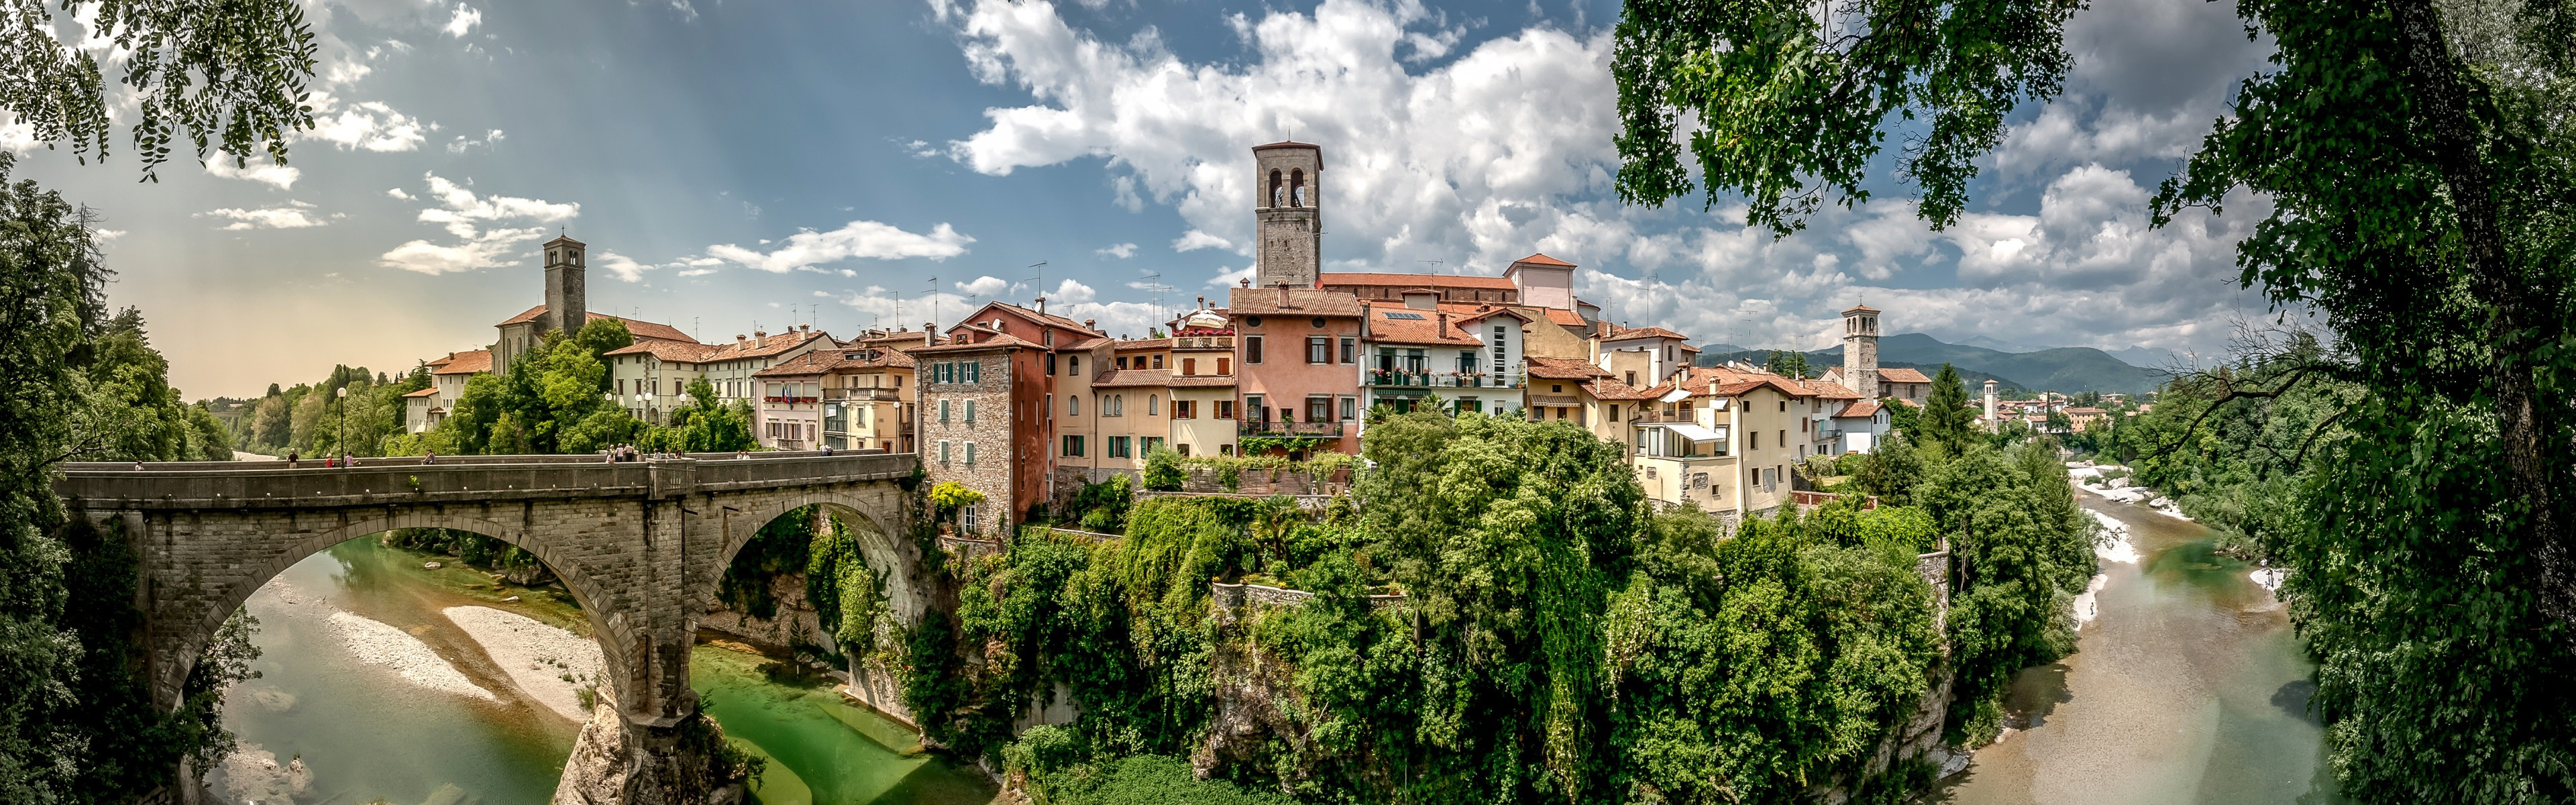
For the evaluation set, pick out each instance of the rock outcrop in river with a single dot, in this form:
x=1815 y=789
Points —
x=615 y=762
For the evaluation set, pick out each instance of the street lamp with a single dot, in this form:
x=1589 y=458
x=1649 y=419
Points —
x=342 y=393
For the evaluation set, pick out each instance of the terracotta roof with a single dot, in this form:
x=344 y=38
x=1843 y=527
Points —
x=639 y=329
x=466 y=363
x=1719 y=381
x=1608 y=389
x=1145 y=344
x=1625 y=333
x=427 y=392
x=985 y=338
x=1902 y=376
x=1424 y=327
x=1480 y=313
x=1908 y=403
x=811 y=363
x=1859 y=409
x=693 y=352
x=1131 y=378
x=1202 y=381
x=2087 y=411
x=1413 y=281
x=1542 y=260
x=1564 y=318
x=1563 y=369
x=1284 y=144
x=1301 y=302
x=671 y=351
x=1048 y=318
x=1860 y=309
x=1830 y=390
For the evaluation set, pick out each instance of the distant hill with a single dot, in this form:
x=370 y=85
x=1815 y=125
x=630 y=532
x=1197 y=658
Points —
x=1818 y=360
x=2066 y=369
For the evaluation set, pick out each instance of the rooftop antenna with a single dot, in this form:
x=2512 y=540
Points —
x=1038 y=282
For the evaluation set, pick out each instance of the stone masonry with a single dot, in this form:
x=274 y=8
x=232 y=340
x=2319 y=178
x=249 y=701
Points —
x=966 y=427
x=640 y=545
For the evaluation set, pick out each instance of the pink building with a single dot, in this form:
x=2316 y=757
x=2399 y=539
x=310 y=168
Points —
x=1297 y=354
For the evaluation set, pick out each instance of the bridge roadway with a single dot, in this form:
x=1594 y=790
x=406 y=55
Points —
x=641 y=545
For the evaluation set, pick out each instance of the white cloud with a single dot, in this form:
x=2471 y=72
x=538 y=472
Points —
x=294 y=215
x=17 y=136
x=370 y=125
x=985 y=286
x=475 y=221
x=105 y=235
x=1070 y=292
x=461 y=142
x=1195 y=240
x=1121 y=251
x=262 y=170
x=399 y=193
x=696 y=272
x=855 y=240
x=621 y=265
x=465 y=20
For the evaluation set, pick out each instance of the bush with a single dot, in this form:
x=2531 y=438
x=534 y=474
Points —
x=1163 y=470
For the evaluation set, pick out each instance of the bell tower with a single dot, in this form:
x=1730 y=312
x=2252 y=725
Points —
x=567 y=307
x=1860 y=350
x=1287 y=212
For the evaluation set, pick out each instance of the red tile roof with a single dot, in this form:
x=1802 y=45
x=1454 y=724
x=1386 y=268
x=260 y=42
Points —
x=1830 y=390
x=1426 y=329
x=1564 y=369
x=1542 y=260
x=1859 y=409
x=1202 y=381
x=1902 y=376
x=1607 y=389
x=427 y=392
x=1144 y=344
x=1625 y=333
x=1131 y=378
x=1414 y=281
x=983 y=339
x=1301 y=302
x=466 y=363
x=638 y=329
x=1860 y=309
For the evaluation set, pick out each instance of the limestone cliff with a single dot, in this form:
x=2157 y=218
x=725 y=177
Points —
x=615 y=762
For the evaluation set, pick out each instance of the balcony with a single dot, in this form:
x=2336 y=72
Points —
x=1203 y=342
x=863 y=395
x=790 y=400
x=1257 y=428
x=1384 y=378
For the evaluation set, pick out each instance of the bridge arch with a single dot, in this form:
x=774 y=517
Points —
x=608 y=627
x=878 y=525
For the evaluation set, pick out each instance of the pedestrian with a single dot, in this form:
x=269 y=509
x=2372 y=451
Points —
x=827 y=449
x=138 y=465
x=432 y=459
x=290 y=459
x=348 y=461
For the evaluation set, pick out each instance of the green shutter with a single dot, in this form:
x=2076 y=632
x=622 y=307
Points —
x=970 y=454
x=975 y=372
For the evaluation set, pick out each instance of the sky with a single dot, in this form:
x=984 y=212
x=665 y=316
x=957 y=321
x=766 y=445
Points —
x=759 y=164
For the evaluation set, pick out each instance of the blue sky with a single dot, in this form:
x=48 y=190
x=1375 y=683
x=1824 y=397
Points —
x=763 y=163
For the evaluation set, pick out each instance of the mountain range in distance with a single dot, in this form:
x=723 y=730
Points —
x=2062 y=369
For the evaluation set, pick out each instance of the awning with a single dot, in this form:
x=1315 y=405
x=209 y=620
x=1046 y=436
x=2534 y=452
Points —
x=1692 y=432
x=1678 y=394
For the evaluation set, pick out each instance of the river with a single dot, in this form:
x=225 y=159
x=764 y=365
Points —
x=2188 y=687
x=323 y=725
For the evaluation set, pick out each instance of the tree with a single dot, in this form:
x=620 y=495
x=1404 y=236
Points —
x=1787 y=363
x=1946 y=419
x=2413 y=154
x=232 y=74
x=1163 y=470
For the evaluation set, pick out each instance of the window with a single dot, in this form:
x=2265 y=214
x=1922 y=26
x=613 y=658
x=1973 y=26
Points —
x=970 y=412
x=1182 y=448
x=1225 y=409
x=1556 y=388
x=1560 y=414
x=1350 y=408
x=1072 y=445
x=1150 y=443
x=1185 y=409
x=1252 y=321
x=1158 y=361
x=1319 y=350
x=1350 y=349
x=970 y=454
x=1122 y=361
x=1050 y=357
x=1050 y=341
x=1614 y=412
x=1784 y=437
x=1153 y=405
x=1632 y=378
x=1118 y=447
x=1317 y=322
x=1252 y=347
x=1784 y=406
x=943 y=451
x=1073 y=405
x=1753 y=440
x=1225 y=450
x=975 y=372
x=1501 y=344
x=1253 y=408
x=621 y=388
x=1222 y=366
x=943 y=412
x=1189 y=366
x=966 y=517
x=1319 y=408
x=1116 y=406
x=1073 y=365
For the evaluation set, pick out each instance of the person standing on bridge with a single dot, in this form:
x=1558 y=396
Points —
x=432 y=459
x=291 y=458
x=827 y=449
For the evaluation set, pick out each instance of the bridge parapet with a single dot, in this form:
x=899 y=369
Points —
x=215 y=485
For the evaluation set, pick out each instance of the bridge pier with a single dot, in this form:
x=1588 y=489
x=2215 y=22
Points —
x=641 y=546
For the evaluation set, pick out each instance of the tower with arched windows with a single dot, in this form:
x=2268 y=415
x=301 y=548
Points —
x=1860 y=350
x=1287 y=215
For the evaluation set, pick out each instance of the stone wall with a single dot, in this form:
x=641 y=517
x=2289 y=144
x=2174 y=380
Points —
x=947 y=435
x=1264 y=483
x=1229 y=600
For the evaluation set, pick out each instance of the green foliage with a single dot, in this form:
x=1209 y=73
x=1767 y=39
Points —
x=2020 y=552
x=1787 y=113
x=947 y=498
x=1060 y=771
x=76 y=723
x=1102 y=507
x=1892 y=471
x=706 y=424
x=1947 y=420
x=1788 y=363
x=1163 y=470
x=233 y=75
x=1282 y=446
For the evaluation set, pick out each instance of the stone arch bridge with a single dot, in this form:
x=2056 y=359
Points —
x=641 y=545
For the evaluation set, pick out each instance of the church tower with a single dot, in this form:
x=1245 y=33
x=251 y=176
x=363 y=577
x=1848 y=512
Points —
x=1860 y=350
x=1287 y=216
x=567 y=307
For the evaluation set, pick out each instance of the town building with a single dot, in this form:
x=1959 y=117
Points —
x=853 y=395
x=981 y=421
x=1643 y=356
x=650 y=378
x=447 y=377
x=565 y=289
x=1297 y=364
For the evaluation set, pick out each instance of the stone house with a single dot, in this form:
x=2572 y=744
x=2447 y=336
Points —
x=972 y=429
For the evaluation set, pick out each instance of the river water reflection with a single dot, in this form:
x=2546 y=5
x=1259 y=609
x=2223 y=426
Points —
x=2188 y=688
x=343 y=731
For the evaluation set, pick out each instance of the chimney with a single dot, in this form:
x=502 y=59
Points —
x=737 y=339
x=1041 y=306
x=1245 y=282
x=760 y=337
x=1202 y=301
x=1364 y=319
x=1090 y=324
x=1283 y=296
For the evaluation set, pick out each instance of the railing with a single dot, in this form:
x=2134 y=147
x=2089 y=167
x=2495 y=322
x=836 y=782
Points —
x=788 y=399
x=1203 y=342
x=1439 y=380
x=1263 y=428
x=863 y=394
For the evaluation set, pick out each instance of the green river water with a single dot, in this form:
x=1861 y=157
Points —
x=2189 y=687
x=364 y=734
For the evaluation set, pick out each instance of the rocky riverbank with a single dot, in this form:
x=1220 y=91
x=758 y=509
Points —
x=548 y=665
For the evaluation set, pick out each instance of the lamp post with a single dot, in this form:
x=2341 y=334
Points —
x=342 y=394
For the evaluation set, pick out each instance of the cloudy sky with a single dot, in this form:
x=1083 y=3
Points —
x=763 y=163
